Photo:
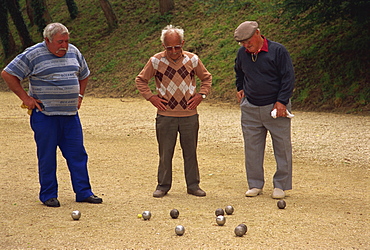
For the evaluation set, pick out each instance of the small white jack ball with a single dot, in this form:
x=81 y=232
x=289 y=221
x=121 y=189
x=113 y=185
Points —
x=76 y=215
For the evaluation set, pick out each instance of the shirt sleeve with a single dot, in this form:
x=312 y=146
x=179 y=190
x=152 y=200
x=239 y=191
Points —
x=142 y=80
x=286 y=71
x=84 y=70
x=19 y=67
x=239 y=75
x=205 y=77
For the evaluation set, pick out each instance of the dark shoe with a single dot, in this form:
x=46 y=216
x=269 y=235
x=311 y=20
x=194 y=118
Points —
x=198 y=192
x=159 y=193
x=53 y=202
x=93 y=199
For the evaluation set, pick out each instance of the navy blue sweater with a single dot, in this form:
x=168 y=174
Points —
x=269 y=79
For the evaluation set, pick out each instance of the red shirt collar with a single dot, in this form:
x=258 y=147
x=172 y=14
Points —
x=265 y=46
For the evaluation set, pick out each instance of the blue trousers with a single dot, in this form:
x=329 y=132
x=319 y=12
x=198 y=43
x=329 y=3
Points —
x=64 y=132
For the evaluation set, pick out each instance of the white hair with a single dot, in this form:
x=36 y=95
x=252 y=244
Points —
x=170 y=29
x=54 y=28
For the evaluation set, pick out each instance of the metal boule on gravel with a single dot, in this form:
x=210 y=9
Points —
x=229 y=210
x=219 y=211
x=244 y=227
x=174 y=213
x=76 y=215
x=179 y=230
x=281 y=204
x=220 y=220
x=146 y=215
x=239 y=231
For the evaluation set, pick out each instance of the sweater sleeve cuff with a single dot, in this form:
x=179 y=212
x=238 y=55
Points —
x=282 y=102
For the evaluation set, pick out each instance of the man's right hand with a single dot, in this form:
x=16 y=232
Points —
x=32 y=103
x=15 y=85
x=159 y=103
x=240 y=95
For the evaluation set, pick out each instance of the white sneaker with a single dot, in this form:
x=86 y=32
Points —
x=253 y=192
x=278 y=194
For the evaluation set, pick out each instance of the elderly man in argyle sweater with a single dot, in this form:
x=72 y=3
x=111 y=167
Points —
x=176 y=102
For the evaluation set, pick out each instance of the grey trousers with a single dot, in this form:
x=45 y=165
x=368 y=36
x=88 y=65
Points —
x=256 y=121
x=167 y=129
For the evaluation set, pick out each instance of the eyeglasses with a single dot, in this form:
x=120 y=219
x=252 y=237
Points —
x=176 y=47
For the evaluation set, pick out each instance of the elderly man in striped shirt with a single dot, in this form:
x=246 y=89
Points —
x=58 y=76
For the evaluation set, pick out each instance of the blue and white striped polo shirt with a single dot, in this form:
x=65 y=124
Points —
x=53 y=80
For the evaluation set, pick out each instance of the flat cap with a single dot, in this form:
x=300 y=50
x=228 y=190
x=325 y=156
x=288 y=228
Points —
x=245 y=30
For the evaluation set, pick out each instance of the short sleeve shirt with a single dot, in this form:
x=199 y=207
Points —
x=53 y=80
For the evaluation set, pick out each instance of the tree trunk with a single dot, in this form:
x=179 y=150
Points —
x=6 y=37
x=12 y=48
x=13 y=8
x=72 y=8
x=166 y=6
x=109 y=14
x=30 y=15
x=41 y=14
x=46 y=14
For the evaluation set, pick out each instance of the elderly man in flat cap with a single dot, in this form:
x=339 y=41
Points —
x=265 y=82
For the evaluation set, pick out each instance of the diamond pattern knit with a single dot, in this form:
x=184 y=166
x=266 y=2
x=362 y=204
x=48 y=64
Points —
x=175 y=81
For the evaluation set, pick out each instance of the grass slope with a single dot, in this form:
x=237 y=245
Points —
x=116 y=57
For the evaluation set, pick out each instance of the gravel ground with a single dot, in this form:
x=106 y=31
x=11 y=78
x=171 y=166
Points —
x=328 y=207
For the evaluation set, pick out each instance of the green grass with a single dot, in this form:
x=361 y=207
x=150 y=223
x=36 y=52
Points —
x=328 y=61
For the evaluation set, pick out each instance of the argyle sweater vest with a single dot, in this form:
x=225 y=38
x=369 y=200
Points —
x=175 y=81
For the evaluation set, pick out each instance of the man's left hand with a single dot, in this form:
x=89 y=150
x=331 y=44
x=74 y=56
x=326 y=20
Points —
x=195 y=101
x=280 y=109
x=79 y=102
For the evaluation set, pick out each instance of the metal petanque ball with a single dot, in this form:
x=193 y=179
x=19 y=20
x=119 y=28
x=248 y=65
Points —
x=281 y=204
x=244 y=227
x=76 y=215
x=146 y=215
x=239 y=231
x=179 y=230
x=220 y=220
x=219 y=211
x=174 y=213
x=229 y=210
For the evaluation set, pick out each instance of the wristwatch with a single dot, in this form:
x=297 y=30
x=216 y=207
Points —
x=203 y=95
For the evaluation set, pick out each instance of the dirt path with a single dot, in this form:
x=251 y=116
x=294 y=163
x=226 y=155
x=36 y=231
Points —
x=328 y=207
